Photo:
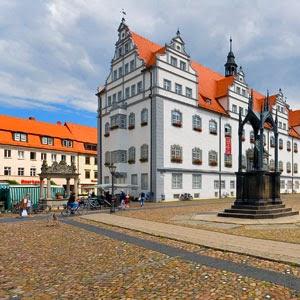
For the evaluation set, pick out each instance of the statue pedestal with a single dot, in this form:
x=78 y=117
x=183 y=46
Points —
x=258 y=197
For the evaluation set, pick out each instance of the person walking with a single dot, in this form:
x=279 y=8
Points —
x=127 y=199
x=142 y=198
x=29 y=205
x=23 y=207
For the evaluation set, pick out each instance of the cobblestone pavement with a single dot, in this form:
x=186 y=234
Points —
x=41 y=260
x=170 y=212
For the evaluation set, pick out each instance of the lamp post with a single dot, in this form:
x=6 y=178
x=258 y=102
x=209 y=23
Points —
x=112 y=169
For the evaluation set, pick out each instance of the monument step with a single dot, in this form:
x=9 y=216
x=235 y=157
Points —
x=257 y=207
x=258 y=216
x=256 y=212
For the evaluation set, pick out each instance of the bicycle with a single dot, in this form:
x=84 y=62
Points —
x=68 y=211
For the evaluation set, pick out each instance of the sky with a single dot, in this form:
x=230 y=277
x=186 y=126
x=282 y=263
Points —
x=55 y=53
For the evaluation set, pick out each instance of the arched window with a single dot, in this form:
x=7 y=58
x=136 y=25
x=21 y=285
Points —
x=252 y=137
x=107 y=158
x=272 y=165
x=295 y=147
x=176 y=154
x=197 y=123
x=280 y=165
x=288 y=167
x=131 y=155
x=106 y=129
x=144 y=117
x=288 y=146
x=144 y=153
x=227 y=130
x=131 y=121
x=213 y=127
x=280 y=144
x=176 y=116
x=272 y=141
x=197 y=156
x=295 y=168
x=212 y=158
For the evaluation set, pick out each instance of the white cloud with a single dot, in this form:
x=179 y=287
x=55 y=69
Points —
x=58 y=51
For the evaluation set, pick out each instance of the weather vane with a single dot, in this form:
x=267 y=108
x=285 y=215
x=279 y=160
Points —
x=123 y=12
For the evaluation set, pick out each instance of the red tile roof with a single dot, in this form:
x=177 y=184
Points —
x=34 y=129
x=294 y=118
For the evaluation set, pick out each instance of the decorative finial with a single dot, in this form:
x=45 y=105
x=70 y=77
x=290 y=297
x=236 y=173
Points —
x=123 y=12
x=178 y=32
x=230 y=40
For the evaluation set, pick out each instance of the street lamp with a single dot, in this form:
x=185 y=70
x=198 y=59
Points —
x=112 y=169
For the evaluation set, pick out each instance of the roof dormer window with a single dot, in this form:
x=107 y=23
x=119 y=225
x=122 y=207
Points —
x=20 y=137
x=174 y=61
x=47 y=140
x=67 y=143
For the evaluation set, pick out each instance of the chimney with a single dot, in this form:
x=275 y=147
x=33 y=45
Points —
x=58 y=122
x=32 y=118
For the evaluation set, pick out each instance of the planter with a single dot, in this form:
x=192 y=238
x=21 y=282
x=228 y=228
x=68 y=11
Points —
x=106 y=134
x=296 y=151
x=228 y=165
x=197 y=162
x=130 y=127
x=144 y=124
x=280 y=147
x=289 y=149
x=177 y=124
x=143 y=160
x=213 y=163
x=243 y=139
x=106 y=164
x=114 y=127
x=197 y=129
x=131 y=161
x=213 y=132
x=176 y=160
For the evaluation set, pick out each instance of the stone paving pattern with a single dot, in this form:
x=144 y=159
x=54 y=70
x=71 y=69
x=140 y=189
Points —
x=64 y=262
x=172 y=211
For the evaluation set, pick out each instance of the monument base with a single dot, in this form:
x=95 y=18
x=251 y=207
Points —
x=258 y=197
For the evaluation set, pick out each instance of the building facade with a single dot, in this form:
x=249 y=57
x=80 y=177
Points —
x=26 y=143
x=170 y=124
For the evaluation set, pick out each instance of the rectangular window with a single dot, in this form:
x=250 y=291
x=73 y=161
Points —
x=114 y=98
x=53 y=157
x=7 y=153
x=242 y=111
x=63 y=157
x=133 y=90
x=87 y=160
x=7 y=171
x=106 y=179
x=196 y=181
x=109 y=101
x=173 y=61
x=47 y=140
x=126 y=68
x=87 y=174
x=284 y=126
x=167 y=85
x=176 y=181
x=126 y=46
x=182 y=65
x=43 y=156
x=178 y=88
x=234 y=108
x=216 y=184
x=119 y=96
x=282 y=184
x=21 y=154
x=244 y=92
x=67 y=143
x=238 y=90
x=134 y=179
x=95 y=174
x=115 y=75
x=139 y=86
x=73 y=159
x=120 y=72
x=95 y=161
x=131 y=65
x=188 y=92
x=232 y=184
x=32 y=172
x=33 y=155
x=20 y=137
x=127 y=92
x=144 y=181
x=20 y=171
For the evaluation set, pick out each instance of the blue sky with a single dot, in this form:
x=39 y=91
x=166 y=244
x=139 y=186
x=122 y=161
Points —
x=55 y=53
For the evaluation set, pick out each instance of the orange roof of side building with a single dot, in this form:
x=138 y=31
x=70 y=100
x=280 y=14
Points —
x=34 y=129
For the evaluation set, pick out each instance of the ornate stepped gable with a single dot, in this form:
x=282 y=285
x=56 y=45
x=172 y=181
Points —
x=212 y=85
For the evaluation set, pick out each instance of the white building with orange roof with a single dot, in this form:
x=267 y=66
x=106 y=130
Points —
x=25 y=143
x=170 y=124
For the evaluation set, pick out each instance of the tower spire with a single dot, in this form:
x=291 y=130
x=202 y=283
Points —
x=230 y=66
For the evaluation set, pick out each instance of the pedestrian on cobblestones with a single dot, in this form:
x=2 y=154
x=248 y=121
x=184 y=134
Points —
x=23 y=206
x=142 y=198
